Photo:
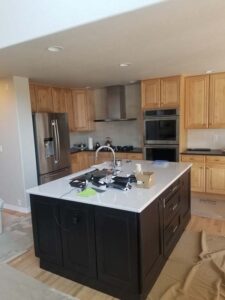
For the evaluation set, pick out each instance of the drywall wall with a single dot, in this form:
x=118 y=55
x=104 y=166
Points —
x=206 y=138
x=16 y=140
x=123 y=132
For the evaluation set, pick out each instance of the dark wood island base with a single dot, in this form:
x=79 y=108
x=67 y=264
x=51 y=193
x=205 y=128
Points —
x=118 y=252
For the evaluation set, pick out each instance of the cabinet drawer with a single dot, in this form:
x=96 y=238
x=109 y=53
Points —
x=193 y=158
x=166 y=196
x=171 y=234
x=171 y=207
x=215 y=159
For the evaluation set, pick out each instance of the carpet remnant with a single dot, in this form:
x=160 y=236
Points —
x=194 y=271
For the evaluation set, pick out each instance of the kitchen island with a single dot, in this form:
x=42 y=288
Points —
x=116 y=241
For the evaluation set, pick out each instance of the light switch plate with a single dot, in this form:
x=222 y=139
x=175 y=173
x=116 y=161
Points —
x=1 y=148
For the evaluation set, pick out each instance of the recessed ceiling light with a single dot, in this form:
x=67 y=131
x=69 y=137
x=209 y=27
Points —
x=209 y=71
x=133 y=81
x=87 y=87
x=55 y=48
x=125 y=64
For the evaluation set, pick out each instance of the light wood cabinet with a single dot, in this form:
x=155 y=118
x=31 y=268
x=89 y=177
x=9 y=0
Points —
x=205 y=101
x=69 y=108
x=196 y=101
x=43 y=96
x=170 y=92
x=161 y=92
x=59 y=101
x=150 y=93
x=207 y=173
x=33 y=98
x=215 y=174
x=83 y=110
x=217 y=101
x=197 y=171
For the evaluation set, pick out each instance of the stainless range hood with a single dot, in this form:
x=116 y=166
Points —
x=117 y=106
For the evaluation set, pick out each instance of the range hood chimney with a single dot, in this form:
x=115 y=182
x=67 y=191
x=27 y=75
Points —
x=116 y=106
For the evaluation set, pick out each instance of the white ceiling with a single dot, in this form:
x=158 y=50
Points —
x=168 y=38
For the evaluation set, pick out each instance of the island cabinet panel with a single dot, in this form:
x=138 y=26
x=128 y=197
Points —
x=47 y=237
x=78 y=238
x=151 y=244
x=185 y=195
x=117 y=252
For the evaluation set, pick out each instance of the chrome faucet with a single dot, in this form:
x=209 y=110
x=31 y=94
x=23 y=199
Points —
x=109 y=148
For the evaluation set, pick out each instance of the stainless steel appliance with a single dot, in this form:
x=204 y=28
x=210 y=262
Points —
x=161 y=152
x=161 y=134
x=51 y=135
x=161 y=126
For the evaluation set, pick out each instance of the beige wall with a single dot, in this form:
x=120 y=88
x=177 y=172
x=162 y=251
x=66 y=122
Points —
x=17 y=161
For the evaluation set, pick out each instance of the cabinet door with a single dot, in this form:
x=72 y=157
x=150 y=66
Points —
x=44 y=98
x=69 y=109
x=81 y=116
x=170 y=92
x=78 y=236
x=45 y=220
x=150 y=93
x=75 y=164
x=217 y=101
x=135 y=156
x=90 y=110
x=196 y=101
x=116 y=245
x=33 y=98
x=215 y=178
x=197 y=171
x=59 y=103
x=151 y=241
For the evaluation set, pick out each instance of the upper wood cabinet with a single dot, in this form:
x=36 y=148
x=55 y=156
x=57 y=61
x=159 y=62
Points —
x=205 y=101
x=33 y=98
x=150 y=93
x=161 y=92
x=196 y=101
x=83 y=110
x=59 y=101
x=78 y=104
x=170 y=91
x=217 y=101
x=43 y=96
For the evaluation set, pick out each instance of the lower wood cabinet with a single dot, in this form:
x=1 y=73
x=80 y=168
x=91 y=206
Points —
x=207 y=173
x=85 y=159
x=118 y=252
x=197 y=171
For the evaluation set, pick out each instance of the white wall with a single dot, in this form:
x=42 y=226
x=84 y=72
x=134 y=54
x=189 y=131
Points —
x=206 y=138
x=17 y=161
x=122 y=132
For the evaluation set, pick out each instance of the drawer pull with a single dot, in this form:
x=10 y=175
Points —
x=174 y=207
x=175 y=229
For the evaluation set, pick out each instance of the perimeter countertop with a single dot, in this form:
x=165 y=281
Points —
x=211 y=152
x=134 y=200
x=135 y=150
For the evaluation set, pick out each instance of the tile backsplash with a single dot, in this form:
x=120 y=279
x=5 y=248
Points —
x=122 y=133
x=206 y=138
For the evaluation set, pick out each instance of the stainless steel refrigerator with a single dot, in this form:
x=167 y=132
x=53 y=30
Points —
x=52 y=146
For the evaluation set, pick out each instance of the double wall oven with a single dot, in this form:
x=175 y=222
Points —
x=161 y=134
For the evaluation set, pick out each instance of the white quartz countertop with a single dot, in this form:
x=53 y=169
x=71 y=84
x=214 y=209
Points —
x=134 y=200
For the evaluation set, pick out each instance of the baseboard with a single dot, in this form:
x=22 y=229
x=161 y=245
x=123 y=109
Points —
x=25 y=210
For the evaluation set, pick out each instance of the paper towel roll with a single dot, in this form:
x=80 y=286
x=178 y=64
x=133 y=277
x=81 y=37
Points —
x=90 y=143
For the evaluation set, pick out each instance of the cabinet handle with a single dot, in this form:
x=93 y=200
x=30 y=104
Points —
x=175 y=206
x=175 y=228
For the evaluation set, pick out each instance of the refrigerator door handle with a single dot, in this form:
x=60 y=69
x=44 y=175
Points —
x=56 y=140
